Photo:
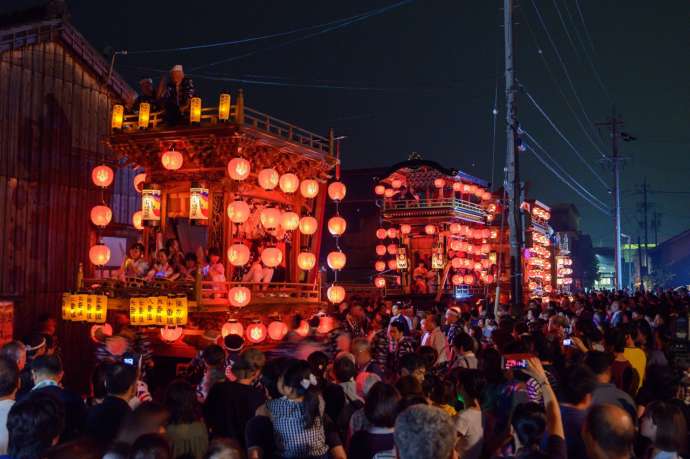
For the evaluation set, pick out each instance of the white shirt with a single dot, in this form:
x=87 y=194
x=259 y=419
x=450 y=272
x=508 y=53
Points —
x=437 y=340
x=470 y=430
x=5 y=406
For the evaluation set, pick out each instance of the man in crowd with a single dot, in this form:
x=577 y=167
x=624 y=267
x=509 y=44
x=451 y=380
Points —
x=9 y=382
x=434 y=337
x=576 y=398
x=605 y=392
x=453 y=325
x=361 y=349
x=34 y=425
x=608 y=433
x=399 y=345
x=463 y=352
x=103 y=421
x=424 y=432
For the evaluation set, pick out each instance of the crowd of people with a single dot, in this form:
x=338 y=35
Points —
x=589 y=376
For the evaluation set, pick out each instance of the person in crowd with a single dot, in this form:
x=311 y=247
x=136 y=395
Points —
x=469 y=423
x=189 y=270
x=424 y=432
x=576 y=398
x=434 y=337
x=463 y=352
x=103 y=421
x=151 y=446
x=214 y=370
x=615 y=343
x=411 y=364
x=453 y=324
x=147 y=94
x=47 y=374
x=605 y=392
x=161 y=269
x=34 y=425
x=175 y=254
x=176 y=95
x=361 y=349
x=135 y=264
x=9 y=383
x=399 y=345
x=608 y=433
x=397 y=316
x=356 y=323
x=635 y=355
x=380 y=410
x=441 y=392
x=216 y=272
x=665 y=425
x=147 y=418
x=186 y=430
x=223 y=448
x=16 y=351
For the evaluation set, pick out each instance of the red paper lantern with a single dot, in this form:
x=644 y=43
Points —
x=381 y=233
x=172 y=160
x=239 y=168
x=380 y=266
x=457 y=186
x=337 y=191
x=455 y=228
x=337 y=226
x=389 y=193
x=392 y=233
x=469 y=279
x=238 y=254
x=392 y=249
x=238 y=211
x=271 y=256
x=308 y=225
x=232 y=327
x=102 y=176
x=335 y=294
x=139 y=181
x=309 y=188
x=392 y=264
x=288 y=183
x=490 y=279
x=379 y=282
x=456 y=245
x=405 y=228
x=336 y=260
x=289 y=221
x=268 y=178
x=101 y=215
x=439 y=183
x=380 y=250
x=99 y=254
x=457 y=263
x=239 y=296
x=277 y=330
x=256 y=332
x=326 y=325
x=270 y=217
x=396 y=183
x=306 y=260
x=303 y=329
x=379 y=190
x=137 y=220
x=430 y=229
x=171 y=334
x=456 y=279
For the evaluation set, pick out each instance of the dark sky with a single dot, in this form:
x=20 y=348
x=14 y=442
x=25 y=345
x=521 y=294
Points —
x=430 y=71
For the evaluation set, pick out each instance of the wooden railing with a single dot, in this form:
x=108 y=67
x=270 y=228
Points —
x=216 y=293
x=457 y=205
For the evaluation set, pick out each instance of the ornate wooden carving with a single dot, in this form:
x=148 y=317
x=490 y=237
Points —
x=216 y=235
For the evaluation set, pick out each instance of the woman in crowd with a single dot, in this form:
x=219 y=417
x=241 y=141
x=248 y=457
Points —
x=664 y=424
x=380 y=410
x=186 y=430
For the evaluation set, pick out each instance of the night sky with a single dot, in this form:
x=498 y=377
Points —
x=422 y=77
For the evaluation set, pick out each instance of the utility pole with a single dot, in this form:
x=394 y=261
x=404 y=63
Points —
x=512 y=171
x=612 y=124
x=645 y=207
x=656 y=225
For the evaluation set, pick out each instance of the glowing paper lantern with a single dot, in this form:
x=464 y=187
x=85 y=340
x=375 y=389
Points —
x=439 y=183
x=238 y=211
x=270 y=217
x=405 y=228
x=381 y=233
x=326 y=325
x=232 y=327
x=288 y=183
x=306 y=260
x=238 y=168
x=469 y=279
x=380 y=250
x=392 y=249
x=396 y=183
x=490 y=279
x=309 y=188
x=392 y=233
x=238 y=254
x=104 y=329
x=486 y=196
x=289 y=221
x=336 y=260
x=268 y=178
x=224 y=107
x=239 y=296
x=337 y=191
x=171 y=160
x=195 y=110
x=379 y=190
x=303 y=329
x=99 y=254
x=144 y=111
x=117 y=117
x=137 y=221
x=430 y=229
x=392 y=264
x=271 y=256
x=102 y=176
x=335 y=294
x=101 y=215
x=277 y=330
x=456 y=279
x=380 y=266
x=457 y=186
x=256 y=332
x=455 y=228
x=389 y=193
x=379 y=282
x=308 y=225
x=456 y=245
x=457 y=263
x=337 y=226
x=138 y=181
x=171 y=334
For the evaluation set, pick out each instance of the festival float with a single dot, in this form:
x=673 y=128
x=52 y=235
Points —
x=250 y=186
x=538 y=252
x=437 y=234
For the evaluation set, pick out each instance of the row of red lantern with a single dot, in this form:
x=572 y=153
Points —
x=101 y=215
x=466 y=263
x=538 y=212
x=256 y=332
x=465 y=188
x=564 y=261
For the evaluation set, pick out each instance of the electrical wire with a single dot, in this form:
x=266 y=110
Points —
x=565 y=27
x=564 y=67
x=584 y=24
x=339 y=25
x=565 y=139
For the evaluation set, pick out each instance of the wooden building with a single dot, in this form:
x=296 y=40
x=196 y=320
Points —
x=56 y=96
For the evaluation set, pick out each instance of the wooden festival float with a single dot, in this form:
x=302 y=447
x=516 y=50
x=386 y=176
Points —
x=442 y=218
x=539 y=255
x=231 y=178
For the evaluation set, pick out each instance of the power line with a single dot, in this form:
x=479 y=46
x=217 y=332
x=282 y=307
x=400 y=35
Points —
x=558 y=131
x=563 y=66
x=565 y=27
x=584 y=25
x=332 y=28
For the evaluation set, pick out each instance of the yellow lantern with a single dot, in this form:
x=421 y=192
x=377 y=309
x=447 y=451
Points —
x=238 y=211
x=239 y=296
x=238 y=168
x=198 y=202
x=430 y=229
x=337 y=226
x=224 y=107
x=396 y=183
x=381 y=233
x=337 y=191
x=232 y=327
x=289 y=221
x=379 y=190
x=308 y=225
x=380 y=266
x=405 y=228
x=137 y=220
x=102 y=176
x=139 y=181
x=144 y=112
x=336 y=260
x=335 y=294
x=270 y=217
x=118 y=116
x=238 y=254
x=288 y=183
x=309 y=188
x=195 y=110
x=439 y=183
x=380 y=250
x=392 y=249
x=306 y=260
x=101 y=215
x=99 y=254
x=172 y=160
x=379 y=282
x=271 y=256
x=277 y=330
x=268 y=178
